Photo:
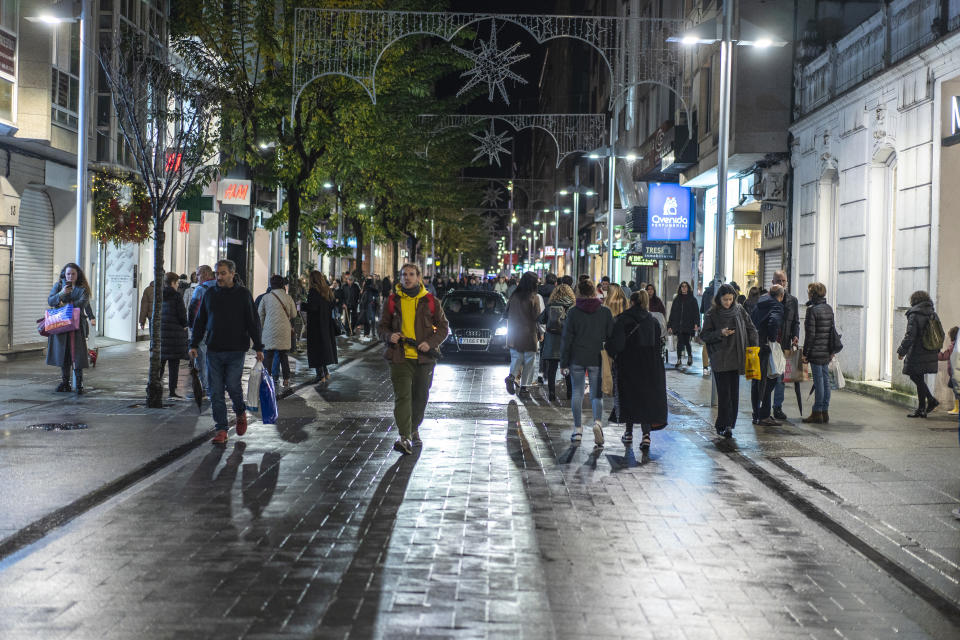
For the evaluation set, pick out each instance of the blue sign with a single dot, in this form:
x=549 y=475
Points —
x=668 y=212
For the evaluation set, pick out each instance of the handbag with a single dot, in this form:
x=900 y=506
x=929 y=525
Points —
x=92 y=351
x=606 y=373
x=60 y=320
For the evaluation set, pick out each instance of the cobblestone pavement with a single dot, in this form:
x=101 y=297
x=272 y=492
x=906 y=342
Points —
x=497 y=528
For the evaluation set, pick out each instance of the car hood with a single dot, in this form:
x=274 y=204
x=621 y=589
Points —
x=474 y=321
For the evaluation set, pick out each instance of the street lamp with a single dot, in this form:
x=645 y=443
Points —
x=55 y=15
x=709 y=32
x=612 y=152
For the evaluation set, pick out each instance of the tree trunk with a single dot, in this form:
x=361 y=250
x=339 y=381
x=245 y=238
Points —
x=293 y=230
x=358 y=234
x=396 y=259
x=155 y=377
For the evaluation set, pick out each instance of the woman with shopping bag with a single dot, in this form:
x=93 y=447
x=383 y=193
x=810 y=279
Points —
x=68 y=350
x=728 y=332
x=818 y=349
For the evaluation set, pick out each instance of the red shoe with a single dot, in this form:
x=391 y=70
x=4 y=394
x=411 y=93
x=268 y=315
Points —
x=221 y=437
x=242 y=423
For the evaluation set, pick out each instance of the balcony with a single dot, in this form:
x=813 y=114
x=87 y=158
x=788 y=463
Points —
x=897 y=31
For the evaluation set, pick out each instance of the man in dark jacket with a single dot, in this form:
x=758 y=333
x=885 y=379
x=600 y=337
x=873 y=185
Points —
x=789 y=337
x=768 y=319
x=550 y=283
x=350 y=299
x=227 y=323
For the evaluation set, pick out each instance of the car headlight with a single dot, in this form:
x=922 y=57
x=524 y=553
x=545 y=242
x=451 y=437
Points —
x=501 y=331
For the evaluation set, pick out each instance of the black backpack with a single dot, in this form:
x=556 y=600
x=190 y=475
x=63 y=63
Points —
x=556 y=316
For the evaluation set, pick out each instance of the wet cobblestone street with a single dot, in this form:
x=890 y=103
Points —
x=497 y=528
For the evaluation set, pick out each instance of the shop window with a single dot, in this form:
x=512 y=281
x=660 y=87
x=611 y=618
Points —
x=6 y=100
x=65 y=81
x=8 y=15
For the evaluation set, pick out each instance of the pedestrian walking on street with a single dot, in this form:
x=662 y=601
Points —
x=276 y=310
x=684 y=321
x=639 y=379
x=818 y=349
x=523 y=310
x=206 y=279
x=656 y=304
x=413 y=326
x=789 y=337
x=146 y=306
x=727 y=331
x=69 y=350
x=369 y=306
x=587 y=327
x=918 y=358
x=173 y=332
x=321 y=327
x=350 y=301
x=227 y=323
x=706 y=303
x=553 y=318
x=768 y=319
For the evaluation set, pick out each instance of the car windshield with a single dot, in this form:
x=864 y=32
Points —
x=460 y=303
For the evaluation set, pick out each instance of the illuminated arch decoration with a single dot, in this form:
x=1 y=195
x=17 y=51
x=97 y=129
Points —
x=350 y=42
x=572 y=132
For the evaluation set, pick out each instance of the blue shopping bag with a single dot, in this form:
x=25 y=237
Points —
x=268 y=399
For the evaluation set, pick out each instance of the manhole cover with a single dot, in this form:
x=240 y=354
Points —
x=58 y=426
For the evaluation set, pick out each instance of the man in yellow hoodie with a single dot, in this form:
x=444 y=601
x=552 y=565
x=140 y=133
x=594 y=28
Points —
x=413 y=326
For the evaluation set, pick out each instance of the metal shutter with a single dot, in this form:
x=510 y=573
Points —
x=772 y=261
x=32 y=265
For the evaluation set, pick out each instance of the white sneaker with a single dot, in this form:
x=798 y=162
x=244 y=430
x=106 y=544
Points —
x=598 y=432
x=956 y=513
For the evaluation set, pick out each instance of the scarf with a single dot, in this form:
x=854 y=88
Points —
x=590 y=305
x=412 y=292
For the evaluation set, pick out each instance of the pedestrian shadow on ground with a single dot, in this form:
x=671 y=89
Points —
x=356 y=604
x=294 y=416
x=518 y=445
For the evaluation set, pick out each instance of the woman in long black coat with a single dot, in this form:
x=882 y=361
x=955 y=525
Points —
x=173 y=332
x=684 y=320
x=917 y=359
x=639 y=380
x=321 y=336
x=69 y=350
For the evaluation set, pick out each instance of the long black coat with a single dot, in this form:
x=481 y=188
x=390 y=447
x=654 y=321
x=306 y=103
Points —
x=684 y=314
x=58 y=344
x=818 y=326
x=640 y=383
x=173 y=326
x=321 y=337
x=917 y=360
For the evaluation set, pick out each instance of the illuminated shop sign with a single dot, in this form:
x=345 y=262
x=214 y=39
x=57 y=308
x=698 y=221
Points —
x=668 y=212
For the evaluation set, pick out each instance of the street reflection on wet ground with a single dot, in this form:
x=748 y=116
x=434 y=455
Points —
x=498 y=527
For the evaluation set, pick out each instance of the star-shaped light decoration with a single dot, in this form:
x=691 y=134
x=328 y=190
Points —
x=492 y=145
x=492 y=66
x=491 y=197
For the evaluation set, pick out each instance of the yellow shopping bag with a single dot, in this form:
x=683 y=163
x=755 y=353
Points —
x=752 y=364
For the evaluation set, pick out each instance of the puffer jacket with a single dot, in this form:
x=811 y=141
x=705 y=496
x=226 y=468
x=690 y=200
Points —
x=918 y=360
x=173 y=326
x=684 y=314
x=818 y=327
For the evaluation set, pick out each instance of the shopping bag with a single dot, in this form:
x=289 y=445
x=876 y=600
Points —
x=606 y=374
x=777 y=361
x=59 y=320
x=836 y=375
x=671 y=342
x=268 y=399
x=92 y=351
x=793 y=370
x=751 y=366
x=253 y=388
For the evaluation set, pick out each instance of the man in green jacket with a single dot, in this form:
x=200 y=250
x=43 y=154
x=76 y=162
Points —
x=413 y=327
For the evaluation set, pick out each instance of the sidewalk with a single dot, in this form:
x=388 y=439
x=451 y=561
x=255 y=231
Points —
x=888 y=479
x=48 y=475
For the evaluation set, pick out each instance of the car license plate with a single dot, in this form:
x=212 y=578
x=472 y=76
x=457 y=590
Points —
x=474 y=340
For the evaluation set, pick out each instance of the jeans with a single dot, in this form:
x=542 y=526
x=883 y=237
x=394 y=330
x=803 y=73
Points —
x=276 y=361
x=778 y=392
x=728 y=398
x=523 y=362
x=224 y=370
x=551 y=374
x=578 y=374
x=762 y=389
x=821 y=386
x=411 y=390
x=924 y=396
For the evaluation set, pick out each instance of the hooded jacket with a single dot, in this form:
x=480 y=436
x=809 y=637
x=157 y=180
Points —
x=918 y=360
x=173 y=326
x=587 y=327
x=684 y=314
x=431 y=328
x=768 y=319
x=522 y=327
x=226 y=320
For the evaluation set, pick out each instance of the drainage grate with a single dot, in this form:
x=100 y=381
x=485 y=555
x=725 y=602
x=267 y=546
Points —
x=58 y=426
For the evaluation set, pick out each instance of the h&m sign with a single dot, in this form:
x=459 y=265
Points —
x=234 y=192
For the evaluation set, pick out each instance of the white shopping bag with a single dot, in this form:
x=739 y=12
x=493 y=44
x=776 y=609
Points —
x=777 y=361
x=671 y=342
x=253 y=388
x=834 y=369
